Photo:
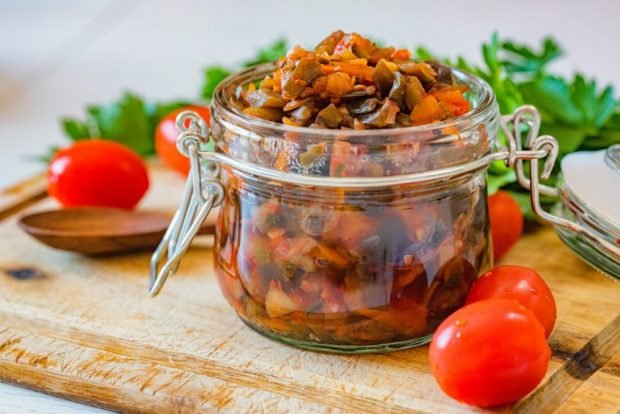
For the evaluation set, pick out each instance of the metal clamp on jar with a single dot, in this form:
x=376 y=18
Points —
x=374 y=257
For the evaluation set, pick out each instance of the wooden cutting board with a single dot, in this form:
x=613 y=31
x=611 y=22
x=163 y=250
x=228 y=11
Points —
x=85 y=329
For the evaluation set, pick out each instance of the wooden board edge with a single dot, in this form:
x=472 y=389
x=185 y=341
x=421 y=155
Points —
x=14 y=370
x=575 y=371
x=37 y=379
x=21 y=195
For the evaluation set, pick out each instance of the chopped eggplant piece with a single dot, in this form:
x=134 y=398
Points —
x=288 y=121
x=363 y=47
x=403 y=120
x=383 y=76
x=358 y=94
x=270 y=114
x=297 y=80
x=414 y=92
x=381 y=53
x=265 y=99
x=302 y=115
x=444 y=73
x=267 y=84
x=328 y=44
x=397 y=93
x=420 y=69
x=314 y=153
x=383 y=116
x=347 y=122
x=294 y=104
x=362 y=106
x=330 y=116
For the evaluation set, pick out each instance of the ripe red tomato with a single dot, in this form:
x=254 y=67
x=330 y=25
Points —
x=506 y=222
x=166 y=135
x=521 y=284
x=489 y=353
x=97 y=173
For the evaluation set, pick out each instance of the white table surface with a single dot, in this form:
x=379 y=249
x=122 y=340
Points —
x=58 y=55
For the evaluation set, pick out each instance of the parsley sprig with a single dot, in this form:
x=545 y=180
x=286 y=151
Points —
x=213 y=75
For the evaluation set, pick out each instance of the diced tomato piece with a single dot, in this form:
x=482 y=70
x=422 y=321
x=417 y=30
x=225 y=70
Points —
x=454 y=98
x=426 y=111
x=401 y=54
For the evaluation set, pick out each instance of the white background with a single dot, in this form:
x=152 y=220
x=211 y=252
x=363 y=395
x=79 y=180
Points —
x=56 y=56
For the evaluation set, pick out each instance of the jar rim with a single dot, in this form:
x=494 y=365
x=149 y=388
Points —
x=484 y=108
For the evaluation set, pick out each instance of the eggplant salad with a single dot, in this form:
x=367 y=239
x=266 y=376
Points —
x=350 y=266
x=349 y=82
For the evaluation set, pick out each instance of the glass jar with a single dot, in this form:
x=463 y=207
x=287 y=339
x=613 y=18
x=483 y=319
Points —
x=344 y=240
x=356 y=265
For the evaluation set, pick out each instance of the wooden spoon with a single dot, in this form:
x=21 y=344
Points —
x=99 y=231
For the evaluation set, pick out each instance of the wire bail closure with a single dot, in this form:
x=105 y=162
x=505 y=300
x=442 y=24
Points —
x=529 y=117
x=203 y=190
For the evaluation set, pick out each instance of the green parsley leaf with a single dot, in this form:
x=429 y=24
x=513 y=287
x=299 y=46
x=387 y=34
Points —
x=495 y=181
x=45 y=158
x=75 y=129
x=522 y=59
x=552 y=96
x=269 y=53
x=213 y=75
x=125 y=121
x=422 y=53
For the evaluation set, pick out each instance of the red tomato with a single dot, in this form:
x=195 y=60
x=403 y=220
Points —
x=521 y=284
x=506 y=222
x=489 y=353
x=166 y=135
x=97 y=173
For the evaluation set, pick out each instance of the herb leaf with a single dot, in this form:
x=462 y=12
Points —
x=269 y=53
x=552 y=96
x=125 y=121
x=522 y=59
x=213 y=75
x=75 y=129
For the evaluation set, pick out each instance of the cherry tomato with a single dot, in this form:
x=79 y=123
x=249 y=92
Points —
x=166 y=135
x=506 y=222
x=521 y=284
x=489 y=353
x=97 y=173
